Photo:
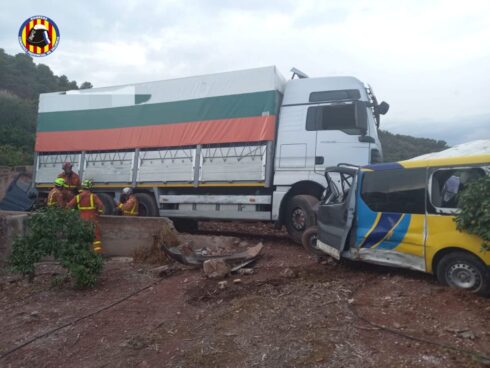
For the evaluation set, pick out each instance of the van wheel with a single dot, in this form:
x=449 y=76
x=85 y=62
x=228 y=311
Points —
x=463 y=271
x=146 y=205
x=309 y=239
x=300 y=215
x=108 y=202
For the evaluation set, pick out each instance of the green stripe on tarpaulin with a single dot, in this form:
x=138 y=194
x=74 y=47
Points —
x=209 y=108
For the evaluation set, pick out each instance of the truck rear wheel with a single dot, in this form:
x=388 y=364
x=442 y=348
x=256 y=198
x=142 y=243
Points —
x=108 y=202
x=146 y=205
x=300 y=215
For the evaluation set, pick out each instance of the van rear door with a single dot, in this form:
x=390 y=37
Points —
x=336 y=212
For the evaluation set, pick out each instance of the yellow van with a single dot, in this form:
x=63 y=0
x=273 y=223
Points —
x=402 y=214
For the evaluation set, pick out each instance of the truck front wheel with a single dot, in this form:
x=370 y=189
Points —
x=300 y=215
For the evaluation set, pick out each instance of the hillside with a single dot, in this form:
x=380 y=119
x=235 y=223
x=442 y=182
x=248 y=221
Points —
x=21 y=82
x=398 y=147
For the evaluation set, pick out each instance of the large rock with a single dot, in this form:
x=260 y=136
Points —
x=215 y=268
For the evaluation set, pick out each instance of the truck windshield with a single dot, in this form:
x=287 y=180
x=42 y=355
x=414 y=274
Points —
x=332 y=117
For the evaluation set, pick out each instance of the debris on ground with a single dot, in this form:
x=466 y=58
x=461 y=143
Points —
x=289 y=273
x=163 y=271
x=267 y=320
x=194 y=250
x=216 y=268
x=246 y=271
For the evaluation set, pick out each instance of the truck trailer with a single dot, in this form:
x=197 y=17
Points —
x=240 y=145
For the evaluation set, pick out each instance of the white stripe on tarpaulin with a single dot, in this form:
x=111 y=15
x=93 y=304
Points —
x=171 y=90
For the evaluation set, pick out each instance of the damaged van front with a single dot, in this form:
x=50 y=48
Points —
x=402 y=215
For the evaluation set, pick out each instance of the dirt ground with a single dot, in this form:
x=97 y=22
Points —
x=292 y=312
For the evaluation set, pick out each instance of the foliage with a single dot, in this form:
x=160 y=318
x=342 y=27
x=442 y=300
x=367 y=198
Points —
x=474 y=217
x=397 y=147
x=86 y=85
x=62 y=234
x=21 y=82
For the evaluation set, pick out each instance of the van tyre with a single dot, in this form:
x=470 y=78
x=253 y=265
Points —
x=464 y=271
x=300 y=215
x=108 y=202
x=146 y=205
x=309 y=239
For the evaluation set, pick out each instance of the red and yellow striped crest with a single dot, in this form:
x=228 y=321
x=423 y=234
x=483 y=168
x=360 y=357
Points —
x=39 y=36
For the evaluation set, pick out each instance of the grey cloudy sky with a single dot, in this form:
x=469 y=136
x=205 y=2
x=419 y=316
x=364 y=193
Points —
x=429 y=59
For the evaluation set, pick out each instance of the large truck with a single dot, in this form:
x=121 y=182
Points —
x=241 y=145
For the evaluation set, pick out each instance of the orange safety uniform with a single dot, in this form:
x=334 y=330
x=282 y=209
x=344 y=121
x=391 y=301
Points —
x=130 y=207
x=90 y=207
x=72 y=182
x=56 y=198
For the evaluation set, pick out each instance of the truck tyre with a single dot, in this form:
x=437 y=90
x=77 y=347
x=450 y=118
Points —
x=300 y=215
x=146 y=205
x=464 y=271
x=183 y=225
x=108 y=202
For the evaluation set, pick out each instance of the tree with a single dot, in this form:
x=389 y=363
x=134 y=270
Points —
x=64 y=235
x=474 y=217
x=397 y=147
x=21 y=82
x=86 y=85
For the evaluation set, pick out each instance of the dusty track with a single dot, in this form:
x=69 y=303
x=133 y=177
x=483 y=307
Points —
x=304 y=319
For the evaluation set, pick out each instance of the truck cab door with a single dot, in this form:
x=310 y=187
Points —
x=336 y=212
x=338 y=127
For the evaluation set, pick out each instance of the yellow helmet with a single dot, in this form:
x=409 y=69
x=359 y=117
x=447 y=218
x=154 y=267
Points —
x=87 y=184
x=59 y=182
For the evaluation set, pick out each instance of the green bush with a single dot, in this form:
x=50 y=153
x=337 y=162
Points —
x=474 y=217
x=62 y=234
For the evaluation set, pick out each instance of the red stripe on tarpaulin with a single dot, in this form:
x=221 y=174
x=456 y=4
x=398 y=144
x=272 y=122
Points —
x=250 y=129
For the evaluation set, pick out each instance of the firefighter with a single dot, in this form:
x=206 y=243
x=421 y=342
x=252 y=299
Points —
x=128 y=204
x=55 y=196
x=90 y=207
x=72 y=181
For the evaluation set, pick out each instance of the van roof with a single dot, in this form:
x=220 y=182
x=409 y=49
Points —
x=431 y=162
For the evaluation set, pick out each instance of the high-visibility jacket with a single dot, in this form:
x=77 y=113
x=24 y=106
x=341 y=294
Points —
x=90 y=206
x=130 y=207
x=55 y=198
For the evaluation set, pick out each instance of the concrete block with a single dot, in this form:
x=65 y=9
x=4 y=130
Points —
x=12 y=224
x=122 y=235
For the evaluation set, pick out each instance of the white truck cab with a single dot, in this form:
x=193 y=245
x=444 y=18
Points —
x=322 y=122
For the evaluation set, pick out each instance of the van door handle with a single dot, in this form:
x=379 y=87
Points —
x=319 y=160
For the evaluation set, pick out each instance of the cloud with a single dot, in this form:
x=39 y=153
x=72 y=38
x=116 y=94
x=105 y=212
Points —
x=428 y=59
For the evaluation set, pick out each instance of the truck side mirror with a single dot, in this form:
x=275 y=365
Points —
x=361 y=116
x=382 y=108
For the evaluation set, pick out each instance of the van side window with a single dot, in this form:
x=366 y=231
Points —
x=448 y=184
x=332 y=117
x=399 y=191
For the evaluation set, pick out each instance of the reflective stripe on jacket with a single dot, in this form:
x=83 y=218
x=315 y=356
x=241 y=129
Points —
x=130 y=207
